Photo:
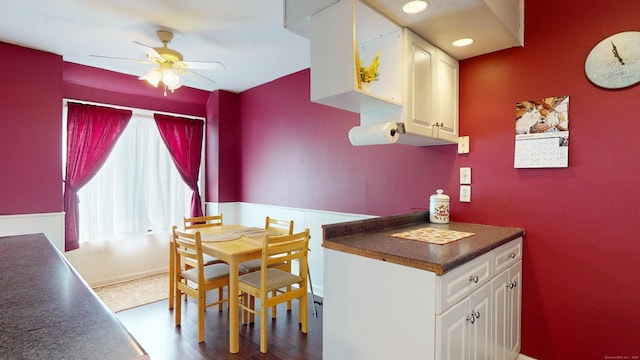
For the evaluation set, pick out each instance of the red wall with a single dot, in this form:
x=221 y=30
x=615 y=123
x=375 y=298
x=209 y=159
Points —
x=581 y=264
x=222 y=147
x=297 y=153
x=30 y=136
x=108 y=87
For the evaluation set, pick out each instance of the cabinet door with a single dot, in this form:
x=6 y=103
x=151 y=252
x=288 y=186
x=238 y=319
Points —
x=452 y=333
x=506 y=312
x=515 y=311
x=446 y=93
x=480 y=339
x=420 y=67
x=500 y=314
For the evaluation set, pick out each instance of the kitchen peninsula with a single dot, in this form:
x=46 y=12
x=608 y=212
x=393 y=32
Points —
x=389 y=297
x=48 y=312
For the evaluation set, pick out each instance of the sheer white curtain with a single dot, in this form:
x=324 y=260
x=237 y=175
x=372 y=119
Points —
x=137 y=191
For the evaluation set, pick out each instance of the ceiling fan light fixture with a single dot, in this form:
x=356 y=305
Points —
x=170 y=77
x=153 y=76
x=414 y=6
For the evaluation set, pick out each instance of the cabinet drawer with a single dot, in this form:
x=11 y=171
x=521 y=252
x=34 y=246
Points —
x=507 y=255
x=460 y=282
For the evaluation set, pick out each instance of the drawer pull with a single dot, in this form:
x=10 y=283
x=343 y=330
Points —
x=512 y=255
x=474 y=279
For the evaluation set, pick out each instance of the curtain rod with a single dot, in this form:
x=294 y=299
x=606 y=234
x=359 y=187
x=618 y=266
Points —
x=144 y=113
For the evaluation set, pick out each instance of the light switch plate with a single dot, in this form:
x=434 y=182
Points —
x=465 y=193
x=463 y=145
x=465 y=175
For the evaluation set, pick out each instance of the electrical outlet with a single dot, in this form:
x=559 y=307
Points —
x=465 y=175
x=463 y=145
x=465 y=193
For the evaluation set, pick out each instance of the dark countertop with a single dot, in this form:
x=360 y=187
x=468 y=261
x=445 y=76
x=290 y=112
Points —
x=47 y=311
x=370 y=238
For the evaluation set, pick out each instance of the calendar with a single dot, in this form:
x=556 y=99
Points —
x=542 y=133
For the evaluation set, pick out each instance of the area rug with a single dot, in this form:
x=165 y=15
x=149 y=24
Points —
x=138 y=292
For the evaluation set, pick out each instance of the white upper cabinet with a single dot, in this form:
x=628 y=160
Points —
x=431 y=93
x=417 y=83
x=338 y=33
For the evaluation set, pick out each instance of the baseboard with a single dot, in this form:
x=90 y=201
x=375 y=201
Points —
x=128 y=277
x=524 y=357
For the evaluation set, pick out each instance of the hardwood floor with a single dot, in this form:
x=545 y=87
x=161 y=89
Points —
x=153 y=326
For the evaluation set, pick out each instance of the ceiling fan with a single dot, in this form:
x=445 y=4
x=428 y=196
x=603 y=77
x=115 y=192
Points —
x=168 y=64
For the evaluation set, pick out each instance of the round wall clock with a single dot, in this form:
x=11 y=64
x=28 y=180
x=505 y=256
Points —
x=614 y=62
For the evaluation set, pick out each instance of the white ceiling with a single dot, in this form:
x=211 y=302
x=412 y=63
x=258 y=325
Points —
x=247 y=36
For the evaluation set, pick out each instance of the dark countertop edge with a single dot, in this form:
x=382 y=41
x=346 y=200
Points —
x=337 y=236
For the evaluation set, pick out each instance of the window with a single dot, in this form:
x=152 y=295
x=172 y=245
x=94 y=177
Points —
x=138 y=190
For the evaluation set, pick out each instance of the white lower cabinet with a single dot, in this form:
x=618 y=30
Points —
x=485 y=323
x=380 y=310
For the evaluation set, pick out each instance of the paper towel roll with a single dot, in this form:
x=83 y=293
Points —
x=376 y=134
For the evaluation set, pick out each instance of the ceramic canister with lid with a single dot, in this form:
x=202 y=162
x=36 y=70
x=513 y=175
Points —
x=439 y=207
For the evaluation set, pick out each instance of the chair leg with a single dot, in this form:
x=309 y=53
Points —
x=263 y=327
x=243 y=301
x=273 y=309
x=178 y=307
x=220 y=297
x=303 y=316
x=201 y=306
x=172 y=274
x=252 y=306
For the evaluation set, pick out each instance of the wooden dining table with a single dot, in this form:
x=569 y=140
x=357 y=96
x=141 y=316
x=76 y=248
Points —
x=232 y=244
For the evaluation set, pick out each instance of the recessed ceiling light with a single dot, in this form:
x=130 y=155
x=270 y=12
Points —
x=463 y=42
x=414 y=6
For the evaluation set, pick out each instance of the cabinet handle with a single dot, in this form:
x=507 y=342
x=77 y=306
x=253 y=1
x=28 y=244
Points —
x=472 y=318
x=512 y=255
x=473 y=279
x=512 y=284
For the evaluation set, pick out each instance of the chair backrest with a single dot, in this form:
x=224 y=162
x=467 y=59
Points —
x=281 y=226
x=188 y=249
x=202 y=221
x=287 y=248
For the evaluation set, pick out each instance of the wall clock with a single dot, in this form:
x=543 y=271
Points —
x=614 y=63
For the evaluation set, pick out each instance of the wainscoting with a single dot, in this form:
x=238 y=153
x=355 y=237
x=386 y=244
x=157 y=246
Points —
x=50 y=224
x=104 y=263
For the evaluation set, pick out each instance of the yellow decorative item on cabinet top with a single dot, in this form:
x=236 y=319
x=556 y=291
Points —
x=366 y=74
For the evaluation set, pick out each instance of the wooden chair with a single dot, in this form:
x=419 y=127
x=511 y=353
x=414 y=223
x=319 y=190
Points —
x=202 y=221
x=279 y=226
x=283 y=227
x=197 y=280
x=192 y=223
x=267 y=284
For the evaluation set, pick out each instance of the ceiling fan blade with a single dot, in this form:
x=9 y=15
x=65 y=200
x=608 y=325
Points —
x=152 y=54
x=123 y=59
x=205 y=65
x=191 y=72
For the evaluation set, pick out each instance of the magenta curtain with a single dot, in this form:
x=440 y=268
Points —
x=183 y=138
x=92 y=131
